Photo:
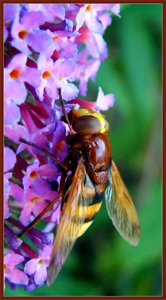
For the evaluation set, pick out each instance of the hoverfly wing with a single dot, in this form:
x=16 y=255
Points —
x=121 y=208
x=71 y=224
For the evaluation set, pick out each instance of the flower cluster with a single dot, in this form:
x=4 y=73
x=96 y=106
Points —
x=51 y=51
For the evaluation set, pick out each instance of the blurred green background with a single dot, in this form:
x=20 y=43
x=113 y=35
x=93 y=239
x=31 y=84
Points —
x=102 y=263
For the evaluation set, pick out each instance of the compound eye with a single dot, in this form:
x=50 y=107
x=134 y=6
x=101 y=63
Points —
x=87 y=125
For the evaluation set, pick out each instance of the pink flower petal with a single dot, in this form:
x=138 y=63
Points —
x=69 y=91
x=26 y=213
x=12 y=259
x=9 y=159
x=45 y=253
x=10 y=10
x=6 y=195
x=31 y=266
x=17 y=276
x=40 y=274
x=33 y=19
x=104 y=102
x=16 y=132
x=48 y=170
x=64 y=68
x=115 y=9
x=80 y=18
x=5 y=34
x=15 y=90
x=32 y=75
x=17 y=192
x=54 y=10
x=93 y=23
x=11 y=114
x=39 y=40
x=18 y=62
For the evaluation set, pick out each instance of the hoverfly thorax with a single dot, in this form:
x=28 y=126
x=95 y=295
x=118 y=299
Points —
x=91 y=128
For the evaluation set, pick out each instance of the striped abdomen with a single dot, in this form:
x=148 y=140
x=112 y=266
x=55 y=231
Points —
x=91 y=211
x=87 y=207
x=92 y=206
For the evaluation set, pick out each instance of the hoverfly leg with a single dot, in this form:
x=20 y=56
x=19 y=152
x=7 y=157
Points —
x=47 y=208
x=45 y=152
x=38 y=218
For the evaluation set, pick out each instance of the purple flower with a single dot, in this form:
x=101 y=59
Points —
x=10 y=11
x=88 y=15
x=55 y=76
x=9 y=159
x=23 y=28
x=9 y=162
x=17 y=192
x=59 y=146
x=50 y=11
x=38 y=266
x=11 y=114
x=115 y=9
x=6 y=195
x=37 y=177
x=95 y=43
x=51 y=52
x=11 y=238
x=104 y=102
x=15 y=76
x=15 y=131
x=88 y=72
x=34 y=204
x=11 y=271
x=5 y=34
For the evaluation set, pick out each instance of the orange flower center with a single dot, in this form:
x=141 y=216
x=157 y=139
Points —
x=55 y=38
x=60 y=145
x=33 y=200
x=89 y=7
x=22 y=34
x=41 y=261
x=46 y=74
x=5 y=267
x=15 y=74
x=33 y=175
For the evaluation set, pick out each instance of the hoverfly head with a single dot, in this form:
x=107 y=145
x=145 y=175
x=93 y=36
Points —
x=86 y=121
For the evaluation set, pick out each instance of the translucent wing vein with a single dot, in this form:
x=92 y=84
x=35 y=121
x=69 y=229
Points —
x=121 y=208
x=72 y=220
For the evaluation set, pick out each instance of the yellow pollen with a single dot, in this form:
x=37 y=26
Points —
x=33 y=200
x=46 y=74
x=33 y=175
x=5 y=267
x=89 y=7
x=41 y=261
x=15 y=74
x=22 y=34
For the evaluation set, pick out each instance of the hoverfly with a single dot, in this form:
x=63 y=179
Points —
x=94 y=176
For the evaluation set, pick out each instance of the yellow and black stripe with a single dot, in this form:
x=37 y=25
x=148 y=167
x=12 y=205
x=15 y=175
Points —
x=90 y=214
x=85 y=211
